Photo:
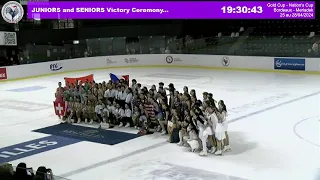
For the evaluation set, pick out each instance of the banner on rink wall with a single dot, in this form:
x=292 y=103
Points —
x=3 y=73
x=290 y=64
x=160 y=60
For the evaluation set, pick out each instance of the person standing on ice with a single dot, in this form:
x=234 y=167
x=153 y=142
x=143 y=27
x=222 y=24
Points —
x=205 y=96
x=219 y=133
x=208 y=132
x=59 y=95
x=223 y=112
x=122 y=95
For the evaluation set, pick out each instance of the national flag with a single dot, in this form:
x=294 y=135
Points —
x=83 y=79
x=60 y=108
x=116 y=78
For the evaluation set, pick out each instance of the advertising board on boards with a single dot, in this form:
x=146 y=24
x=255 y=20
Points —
x=290 y=64
x=3 y=73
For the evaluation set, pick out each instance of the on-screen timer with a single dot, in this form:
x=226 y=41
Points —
x=242 y=10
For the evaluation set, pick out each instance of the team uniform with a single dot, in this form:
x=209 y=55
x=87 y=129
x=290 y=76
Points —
x=219 y=134
x=70 y=112
x=111 y=117
x=209 y=128
x=85 y=113
x=225 y=125
x=199 y=122
x=135 y=117
x=128 y=100
x=110 y=94
x=92 y=113
x=98 y=110
x=115 y=113
x=192 y=141
x=121 y=97
x=183 y=135
x=127 y=119
x=163 y=108
x=78 y=110
x=120 y=116
x=172 y=124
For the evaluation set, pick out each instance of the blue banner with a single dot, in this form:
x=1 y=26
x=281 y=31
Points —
x=33 y=147
x=290 y=64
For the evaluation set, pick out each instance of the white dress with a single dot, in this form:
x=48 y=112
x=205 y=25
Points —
x=220 y=132
x=224 y=120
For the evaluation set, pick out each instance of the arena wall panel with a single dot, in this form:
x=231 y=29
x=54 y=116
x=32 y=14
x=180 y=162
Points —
x=243 y=63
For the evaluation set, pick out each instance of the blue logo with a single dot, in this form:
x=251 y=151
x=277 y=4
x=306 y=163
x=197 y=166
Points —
x=55 y=67
x=33 y=147
x=290 y=64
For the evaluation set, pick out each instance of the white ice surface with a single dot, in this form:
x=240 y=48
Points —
x=278 y=143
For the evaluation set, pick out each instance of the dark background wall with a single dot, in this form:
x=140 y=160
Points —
x=44 y=33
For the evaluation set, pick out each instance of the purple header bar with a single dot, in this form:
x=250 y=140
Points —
x=172 y=10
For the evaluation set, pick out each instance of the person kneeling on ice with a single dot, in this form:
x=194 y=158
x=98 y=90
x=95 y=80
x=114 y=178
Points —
x=135 y=117
x=192 y=139
x=127 y=119
x=105 y=118
x=86 y=111
x=198 y=120
x=112 y=113
x=183 y=131
x=98 y=110
x=120 y=115
x=172 y=127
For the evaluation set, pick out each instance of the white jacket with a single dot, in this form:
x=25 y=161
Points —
x=120 y=112
x=122 y=95
x=128 y=113
x=98 y=109
x=129 y=98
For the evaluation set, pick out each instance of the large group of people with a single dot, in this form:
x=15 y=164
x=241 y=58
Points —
x=22 y=172
x=200 y=125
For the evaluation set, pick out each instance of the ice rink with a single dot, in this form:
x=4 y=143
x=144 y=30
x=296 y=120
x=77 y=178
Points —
x=274 y=129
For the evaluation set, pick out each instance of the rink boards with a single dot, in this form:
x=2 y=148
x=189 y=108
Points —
x=244 y=63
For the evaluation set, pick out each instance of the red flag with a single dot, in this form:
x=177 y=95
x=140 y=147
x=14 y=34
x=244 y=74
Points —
x=126 y=78
x=60 y=108
x=82 y=79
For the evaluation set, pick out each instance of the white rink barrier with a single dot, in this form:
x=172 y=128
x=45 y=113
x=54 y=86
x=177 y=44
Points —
x=305 y=65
